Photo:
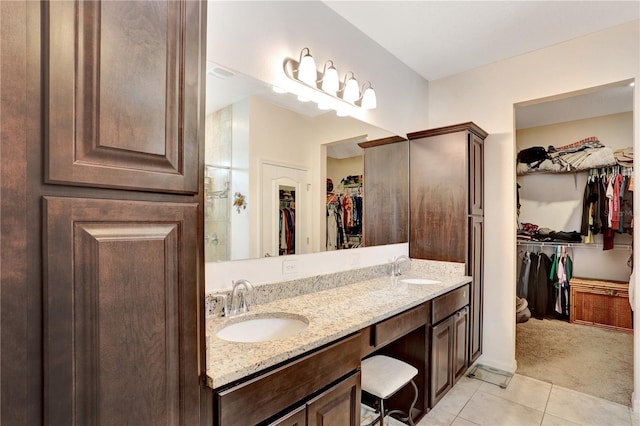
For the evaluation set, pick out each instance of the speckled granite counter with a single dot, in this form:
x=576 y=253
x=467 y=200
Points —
x=332 y=314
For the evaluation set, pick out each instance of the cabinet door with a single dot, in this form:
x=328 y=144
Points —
x=475 y=269
x=460 y=356
x=338 y=406
x=297 y=417
x=476 y=175
x=121 y=312
x=124 y=88
x=442 y=336
x=438 y=197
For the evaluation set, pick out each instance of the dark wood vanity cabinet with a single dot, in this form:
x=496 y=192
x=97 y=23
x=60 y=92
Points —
x=449 y=342
x=447 y=206
x=326 y=383
x=337 y=406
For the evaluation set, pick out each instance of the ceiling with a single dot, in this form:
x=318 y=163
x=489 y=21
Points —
x=442 y=38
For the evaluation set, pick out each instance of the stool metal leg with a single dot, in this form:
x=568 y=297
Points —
x=409 y=417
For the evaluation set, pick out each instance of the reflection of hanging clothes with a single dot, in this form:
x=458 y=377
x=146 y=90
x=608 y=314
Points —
x=287 y=236
x=335 y=229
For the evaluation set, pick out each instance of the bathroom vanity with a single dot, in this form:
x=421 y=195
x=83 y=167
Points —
x=313 y=377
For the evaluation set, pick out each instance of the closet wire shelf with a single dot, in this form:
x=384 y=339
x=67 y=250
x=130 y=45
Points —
x=579 y=245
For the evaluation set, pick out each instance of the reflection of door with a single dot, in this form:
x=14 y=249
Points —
x=276 y=180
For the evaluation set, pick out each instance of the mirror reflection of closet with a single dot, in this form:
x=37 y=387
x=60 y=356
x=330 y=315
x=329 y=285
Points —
x=285 y=222
x=592 y=351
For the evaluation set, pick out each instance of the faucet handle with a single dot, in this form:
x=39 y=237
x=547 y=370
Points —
x=222 y=305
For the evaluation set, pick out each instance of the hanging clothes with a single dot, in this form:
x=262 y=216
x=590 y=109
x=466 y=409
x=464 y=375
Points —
x=560 y=275
x=538 y=287
x=607 y=206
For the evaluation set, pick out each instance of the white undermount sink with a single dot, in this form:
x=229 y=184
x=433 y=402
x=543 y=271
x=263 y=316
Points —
x=419 y=281
x=263 y=327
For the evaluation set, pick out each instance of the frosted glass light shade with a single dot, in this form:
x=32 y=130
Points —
x=330 y=81
x=351 y=91
x=307 y=71
x=368 y=99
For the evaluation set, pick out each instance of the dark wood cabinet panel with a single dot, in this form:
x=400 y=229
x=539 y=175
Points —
x=476 y=175
x=477 y=287
x=121 y=312
x=386 y=192
x=460 y=352
x=338 y=406
x=438 y=187
x=442 y=336
x=123 y=93
x=297 y=417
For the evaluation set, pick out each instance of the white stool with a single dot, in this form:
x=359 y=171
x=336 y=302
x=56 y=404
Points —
x=382 y=376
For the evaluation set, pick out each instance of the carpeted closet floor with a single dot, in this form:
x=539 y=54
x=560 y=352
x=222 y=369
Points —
x=587 y=359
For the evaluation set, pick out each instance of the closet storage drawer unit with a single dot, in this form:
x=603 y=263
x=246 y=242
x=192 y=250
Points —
x=601 y=303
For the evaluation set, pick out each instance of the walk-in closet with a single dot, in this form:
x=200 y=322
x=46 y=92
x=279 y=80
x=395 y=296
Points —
x=575 y=240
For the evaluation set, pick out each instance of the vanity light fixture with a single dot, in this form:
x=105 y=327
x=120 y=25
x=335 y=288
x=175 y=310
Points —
x=327 y=91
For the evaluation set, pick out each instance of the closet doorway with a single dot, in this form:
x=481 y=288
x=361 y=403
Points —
x=575 y=232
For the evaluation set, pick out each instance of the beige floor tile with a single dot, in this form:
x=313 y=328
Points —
x=437 y=417
x=459 y=421
x=487 y=409
x=457 y=397
x=585 y=409
x=551 y=420
x=523 y=390
x=635 y=419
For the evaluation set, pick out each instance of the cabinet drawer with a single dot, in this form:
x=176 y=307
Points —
x=394 y=327
x=264 y=396
x=448 y=303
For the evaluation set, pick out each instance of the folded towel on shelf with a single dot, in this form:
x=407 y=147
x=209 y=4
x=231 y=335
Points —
x=624 y=156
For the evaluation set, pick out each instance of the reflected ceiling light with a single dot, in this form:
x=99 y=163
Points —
x=350 y=89
x=368 y=100
x=330 y=80
x=307 y=72
x=328 y=92
x=278 y=89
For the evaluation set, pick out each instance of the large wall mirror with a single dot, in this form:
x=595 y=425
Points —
x=281 y=176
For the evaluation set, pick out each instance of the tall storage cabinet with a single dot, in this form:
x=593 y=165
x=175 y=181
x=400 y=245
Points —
x=101 y=212
x=446 y=192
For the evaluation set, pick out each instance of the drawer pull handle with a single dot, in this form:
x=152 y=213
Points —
x=611 y=292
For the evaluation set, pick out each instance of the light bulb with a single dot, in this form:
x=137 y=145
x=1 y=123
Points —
x=368 y=99
x=330 y=81
x=351 y=91
x=307 y=71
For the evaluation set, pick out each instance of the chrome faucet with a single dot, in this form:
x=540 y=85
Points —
x=395 y=266
x=239 y=303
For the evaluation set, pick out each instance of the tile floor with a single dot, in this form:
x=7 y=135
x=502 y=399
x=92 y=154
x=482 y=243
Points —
x=525 y=401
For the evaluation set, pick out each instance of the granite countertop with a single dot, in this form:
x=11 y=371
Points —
x=332 y=314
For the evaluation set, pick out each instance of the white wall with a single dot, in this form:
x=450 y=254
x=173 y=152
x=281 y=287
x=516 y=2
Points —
x=487 y=96
x=255 y=37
